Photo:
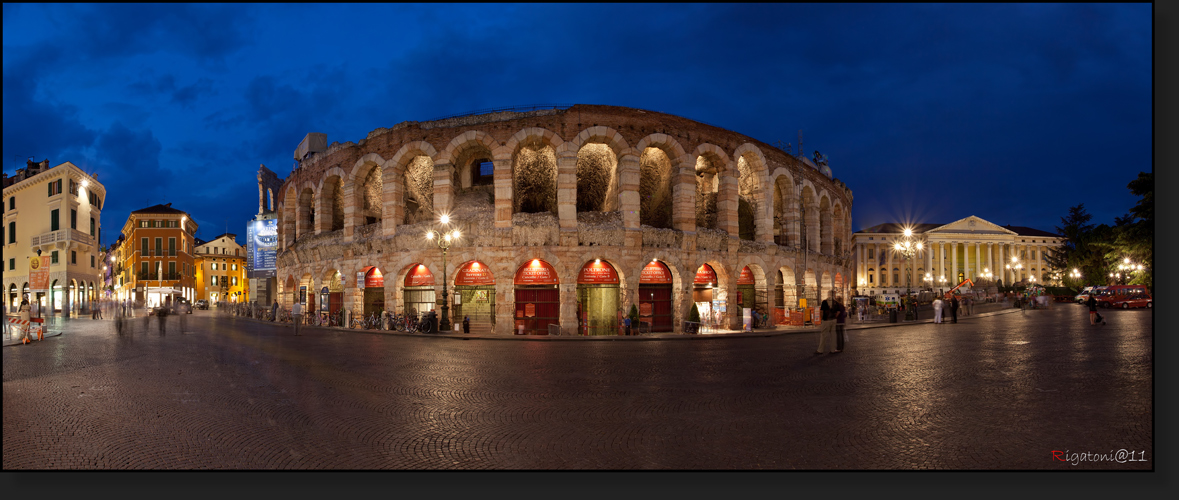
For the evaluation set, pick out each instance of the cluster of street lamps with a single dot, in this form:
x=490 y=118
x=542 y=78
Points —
x=908 y=249
x=1125 y=269
x=443 y=240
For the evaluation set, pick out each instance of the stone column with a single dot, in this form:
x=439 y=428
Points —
x=505 y=303
x=323 y=212
x=628 y=199
x=876 y=264
x=351 y=209
x=978 y=267
x=443 y=187
x=953 y=277
x=726 y=204
x=683 y=196
x=567 y=201
x=888 y=271
x=1039 y=262
x=503 y=195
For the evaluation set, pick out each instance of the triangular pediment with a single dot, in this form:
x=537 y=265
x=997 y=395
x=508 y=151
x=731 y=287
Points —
x=971 y=225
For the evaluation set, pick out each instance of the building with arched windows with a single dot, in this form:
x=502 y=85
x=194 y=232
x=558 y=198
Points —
x=567 y=216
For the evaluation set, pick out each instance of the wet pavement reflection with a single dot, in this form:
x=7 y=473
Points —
x=218 y=392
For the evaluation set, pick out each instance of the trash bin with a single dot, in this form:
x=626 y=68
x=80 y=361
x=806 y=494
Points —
x=892 y=315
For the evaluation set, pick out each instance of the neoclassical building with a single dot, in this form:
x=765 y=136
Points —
x=951 y=253
x=567 y=216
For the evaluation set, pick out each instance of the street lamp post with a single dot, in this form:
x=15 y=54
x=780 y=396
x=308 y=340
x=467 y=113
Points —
x=1015 y=264
x=908 y=250
x=443 y=241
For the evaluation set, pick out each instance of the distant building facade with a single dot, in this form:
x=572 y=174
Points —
x=221 y=270
x=57 y=211
x=968 y=248
x=157 y=260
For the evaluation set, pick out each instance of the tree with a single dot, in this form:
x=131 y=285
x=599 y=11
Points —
x=694 y=314
x=1134 y=234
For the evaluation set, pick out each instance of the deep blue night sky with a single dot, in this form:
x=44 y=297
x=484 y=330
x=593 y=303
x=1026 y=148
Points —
x=930 y=113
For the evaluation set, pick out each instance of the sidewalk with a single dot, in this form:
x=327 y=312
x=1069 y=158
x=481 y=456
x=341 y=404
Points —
x=995 y=310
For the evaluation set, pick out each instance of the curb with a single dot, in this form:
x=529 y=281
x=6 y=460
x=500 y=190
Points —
x=777 y=331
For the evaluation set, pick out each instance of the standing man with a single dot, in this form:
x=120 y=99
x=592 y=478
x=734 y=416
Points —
x=626 y=323
x=826 y=326
x=937 y=309
x=466 y=324
x=840 y=317
x=1092 y=303
x=274 y=311
x=297 y=315
x=953 y=309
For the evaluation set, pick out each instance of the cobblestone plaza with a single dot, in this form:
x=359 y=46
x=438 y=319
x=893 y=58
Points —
x=1005 y=391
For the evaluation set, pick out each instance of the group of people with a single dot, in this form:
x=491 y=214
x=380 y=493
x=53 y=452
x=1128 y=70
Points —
x=832 y=315
x=939 y=305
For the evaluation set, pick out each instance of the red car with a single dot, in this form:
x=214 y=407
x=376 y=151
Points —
x=1129 y=302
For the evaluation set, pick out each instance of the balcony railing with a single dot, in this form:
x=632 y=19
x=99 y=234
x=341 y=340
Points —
x=159 y=276
x=62 y=235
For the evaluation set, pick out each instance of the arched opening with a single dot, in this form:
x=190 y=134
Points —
x=331 y=295
x=474 y=166
x=474 y=291
x=13 y=297
x=827 y=286
x=373 y=283
x=538 y=300
x=369 y=196
x=417 y=291
x=655 y=175
x=291 y=290
x=597 y=179
x=705 y=294
x=72 y=293
x=748 y=205
x=751 y=290
x=787 y=292
x=837 y=219
x=655 y=297
x=707 y=191
x=783 y=216
x=534 y=177
x=55 y=297
x=333 y=206
x=305 y=221
x=826 y=232
x=418 y=195
x=598 y=310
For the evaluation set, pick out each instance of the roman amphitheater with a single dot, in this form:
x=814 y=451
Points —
x=567 y=216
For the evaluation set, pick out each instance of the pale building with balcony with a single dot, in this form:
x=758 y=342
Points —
x=57 y=211
x=221 y=270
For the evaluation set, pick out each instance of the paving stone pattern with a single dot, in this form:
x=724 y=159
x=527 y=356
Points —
x=998 y=392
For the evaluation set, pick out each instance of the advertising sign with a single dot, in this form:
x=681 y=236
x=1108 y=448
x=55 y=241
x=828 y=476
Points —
x=537 y=272
x=419 y=276
x=474 y=273
x=373 y=278
x=262 y=237
x=38 y=274
x=655 y=273
x=746 y=277
x=597 y=272
x=529 y=310
x=360 y=280
x=705 y=275
x=646 y=309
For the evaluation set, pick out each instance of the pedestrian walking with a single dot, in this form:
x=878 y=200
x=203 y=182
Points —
x=954 y=309
x=827 y=326
x=862 y=309
x=1093 y=316
x=970 y=306
x=937 y=309
x=274 y=311
x=466 y=324
x=626 y=323
x=840 y=317
x=297 y=315
x=162 y=316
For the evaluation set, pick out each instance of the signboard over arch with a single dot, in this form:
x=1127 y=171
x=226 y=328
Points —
x=597 y=272
x=746 y=277
x=474 y=273
x=419 y=275
x=705 y=275
x=536 y=272
x=655 y=273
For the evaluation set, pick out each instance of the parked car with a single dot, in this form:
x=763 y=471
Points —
x=202 y=304
x=1116 y=295
x=1134 y=301
x=182 y=305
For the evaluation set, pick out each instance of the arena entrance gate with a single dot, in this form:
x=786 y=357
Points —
x=418 y=291
x=538 y=300
x=704 y=295
x=597 y=299
x=474 y=293
x=373 y=283
x=655 y=297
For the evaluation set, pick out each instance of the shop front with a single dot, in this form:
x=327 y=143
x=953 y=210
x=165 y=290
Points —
x=598 y=311
x=704 y=288
x=418 y=291
x=655 y=297
x=538 y=299
x=335 y=295
x=474 y=294
x=372 y=282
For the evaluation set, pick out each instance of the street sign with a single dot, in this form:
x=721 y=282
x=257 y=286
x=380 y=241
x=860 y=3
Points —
x=38 y=274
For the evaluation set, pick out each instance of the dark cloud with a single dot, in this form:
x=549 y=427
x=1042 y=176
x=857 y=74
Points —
x=187 y=95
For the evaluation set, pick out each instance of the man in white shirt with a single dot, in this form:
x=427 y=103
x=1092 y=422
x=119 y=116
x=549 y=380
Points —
x=937 y=309
x=297 y=315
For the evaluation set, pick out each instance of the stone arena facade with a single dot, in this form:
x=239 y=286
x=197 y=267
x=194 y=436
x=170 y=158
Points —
x=567 y=215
